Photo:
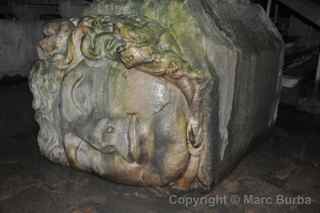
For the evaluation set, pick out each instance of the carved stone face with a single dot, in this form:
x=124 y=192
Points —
x=150 y=92
x=122 y=102
x=139 y=127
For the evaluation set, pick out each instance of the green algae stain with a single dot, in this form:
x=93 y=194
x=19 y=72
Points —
x=175 y=16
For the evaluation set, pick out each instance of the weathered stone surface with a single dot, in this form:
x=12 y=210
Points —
x=157 y=93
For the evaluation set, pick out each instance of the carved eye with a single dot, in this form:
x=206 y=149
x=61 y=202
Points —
x=110 y=129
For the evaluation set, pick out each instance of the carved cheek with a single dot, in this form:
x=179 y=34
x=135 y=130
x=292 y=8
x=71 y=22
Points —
x=174 y=162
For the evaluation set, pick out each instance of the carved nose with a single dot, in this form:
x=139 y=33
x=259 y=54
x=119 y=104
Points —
x=118 y=136
x=114 y=138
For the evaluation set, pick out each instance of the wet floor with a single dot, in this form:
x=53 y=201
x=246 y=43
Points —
x=280 y=175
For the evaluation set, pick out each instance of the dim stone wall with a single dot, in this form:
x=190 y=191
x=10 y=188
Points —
x=17 y=46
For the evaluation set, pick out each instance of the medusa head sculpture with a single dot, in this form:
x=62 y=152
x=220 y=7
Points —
x=114 y=95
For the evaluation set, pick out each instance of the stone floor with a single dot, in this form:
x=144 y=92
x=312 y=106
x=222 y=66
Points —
x=287 y=165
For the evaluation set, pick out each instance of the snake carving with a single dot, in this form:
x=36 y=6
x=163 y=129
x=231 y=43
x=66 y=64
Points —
x=156 y=93
x=128 y=102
